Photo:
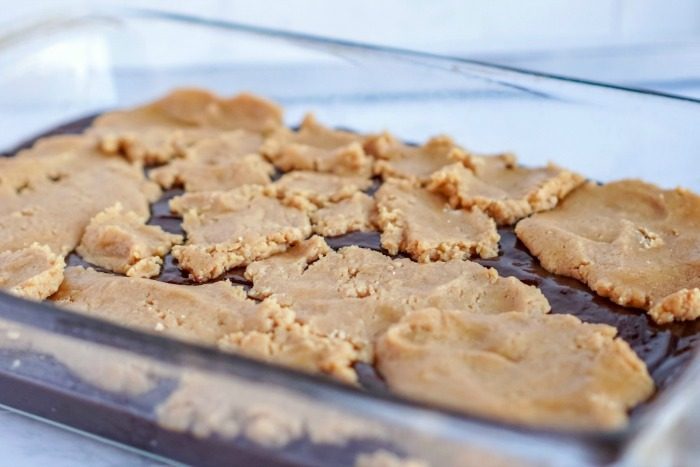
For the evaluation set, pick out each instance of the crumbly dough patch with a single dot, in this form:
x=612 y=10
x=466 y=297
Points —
x=353 y=214
x=414 y=163
x=267 y=415
x=312 y=190
x=357 y=293
x=226 y=229
x=275 y=334
x=120 y=241
x=224 y=162
x=162 y=130
x=318 y=148
x=544 y=370
x=424 y=226
x=501 y=188
x=61 y=196
x=34 y=272
x=630 y=241
x=216 y=314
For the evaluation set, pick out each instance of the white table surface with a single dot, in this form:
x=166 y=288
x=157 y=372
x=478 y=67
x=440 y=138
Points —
x=26 y=441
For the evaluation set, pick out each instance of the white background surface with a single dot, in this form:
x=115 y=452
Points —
x=644 y=43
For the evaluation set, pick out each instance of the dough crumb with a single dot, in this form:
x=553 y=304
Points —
x=163 y=130
x=226 y=229
x=543 y=370
x=413 y=163
x=271 y=428
x=357 y=293
x=34 y=272
x=120 y=241
x=501 y=188
x=350 y=215
x=424 y=226
x=224 y=162
x=629 y=241
x=318 y=148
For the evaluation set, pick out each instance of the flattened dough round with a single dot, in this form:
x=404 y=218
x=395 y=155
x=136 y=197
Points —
x=629 y=241
x=545 y=370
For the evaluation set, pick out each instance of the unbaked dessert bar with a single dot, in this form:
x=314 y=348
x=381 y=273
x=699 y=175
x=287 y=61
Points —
x=460 y=279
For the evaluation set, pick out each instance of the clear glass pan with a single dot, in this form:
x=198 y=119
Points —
x=240 y=411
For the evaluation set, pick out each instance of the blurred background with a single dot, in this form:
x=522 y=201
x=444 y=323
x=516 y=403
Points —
x=651 y=44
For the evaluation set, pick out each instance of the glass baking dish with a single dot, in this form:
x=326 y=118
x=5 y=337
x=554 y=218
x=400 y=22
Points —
x=113 y=381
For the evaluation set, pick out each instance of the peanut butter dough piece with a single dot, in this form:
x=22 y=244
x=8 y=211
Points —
x=629 y=241
x=505 y=191
x=223 y=162
x=275 y=334
x=48 y=160
x=162 y=130
x=350 y=215
x=318 y=148
x=202 y=313
x=424 y=226
x=267 y=415
x=216 y=314
x=226 y=229
x=357 y=293
x=311 y=190
x=543 y=370
x=121 y=241
x=334 y=202
x=34 y=272
x=53 y=209
x=413 y=163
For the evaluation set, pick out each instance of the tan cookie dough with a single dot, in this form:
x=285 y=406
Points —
x=544 y=370
x=318 y=148
x=54 y=211
x=121 y=241
x=223 y=162
x=353 y=214
x=109 y=369
x=424 y=226
x=269 y=415
x=629 y=241
x=162 y=130
x=413 y=163
x=357 y=293
x=48 y=160
x=202 y=313
x=34 y=272
x=226 y=229
x=216 y=314
x=276 y=335
x=311 y=190
x=501 y=188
